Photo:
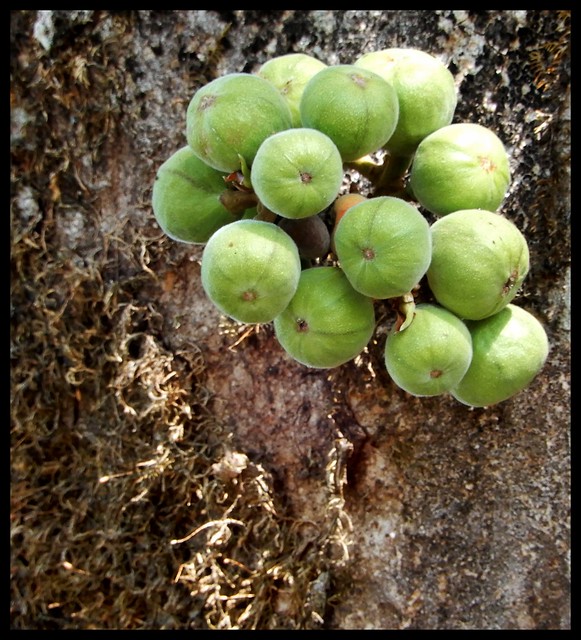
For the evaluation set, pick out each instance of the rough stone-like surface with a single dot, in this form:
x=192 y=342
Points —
x=459 y=517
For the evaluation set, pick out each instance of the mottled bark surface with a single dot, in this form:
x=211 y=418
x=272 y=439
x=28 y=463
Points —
x=340 y=501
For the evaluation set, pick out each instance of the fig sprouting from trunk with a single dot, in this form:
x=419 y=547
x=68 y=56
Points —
x=186 y=198
x=425 y=89
x=229 y=118
x=310 y=234
x=384 y=246
x=327 y=322
x=431 y=355
x=344 y=202
x=479 y=261
x=250 y=270
x=290 y=73
x=297 y=173
x=509 y=350
x=355 y=107
x=460 y=166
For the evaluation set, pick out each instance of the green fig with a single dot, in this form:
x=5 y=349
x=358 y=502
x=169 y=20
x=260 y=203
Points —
x=250 y=270
x=297 y=173
x=289 y=74
x=509 y=350
x=479 y=261
x=384 y=246
x=186 y=198
x=355 y=107
x=460 y=166
x=327 y=322
x=425 y=90
x=432 y=354
x=228 y=119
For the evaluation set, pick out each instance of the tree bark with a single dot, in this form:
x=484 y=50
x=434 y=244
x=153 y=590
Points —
x=451 y=517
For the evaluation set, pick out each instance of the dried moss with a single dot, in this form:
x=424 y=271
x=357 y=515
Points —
x=129 y=507
x=116 y=459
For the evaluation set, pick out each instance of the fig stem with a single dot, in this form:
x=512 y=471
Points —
x=236 y=202
x=245 y=172
x=264 y=214
x=367 y=167
x=391 y=179
x=405 y=311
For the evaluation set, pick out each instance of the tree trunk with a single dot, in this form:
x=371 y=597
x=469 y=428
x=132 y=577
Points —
x=139 y=415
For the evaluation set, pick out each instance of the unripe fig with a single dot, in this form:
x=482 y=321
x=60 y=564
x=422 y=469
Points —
x=231 y=116
x=432 y=354
x=509 y=350
x=297 y=173
x=479 y=261
x=186 y=198
x=250 y=270
x=425 y=89
x=289 y=74
x=327 y=322
x=310 y=235
x=384 y=246
x=461 y=166
x=355 y=107
x=340 y=207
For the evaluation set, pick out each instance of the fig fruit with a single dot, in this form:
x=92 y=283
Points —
x=250 y=270
x=297 y=173
x=509 y=350
x=231 y=116
x=186 y=198
x=479 y=261
x=432 y=354
x=327 y=322
x=355 y=107
x=345 y=202
x=384 y=246
x=289 y=74
x=425 y=90
x=460 y=166
x=310 y=235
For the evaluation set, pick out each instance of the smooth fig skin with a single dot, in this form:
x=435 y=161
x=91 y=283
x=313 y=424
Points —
x=250 y=270
x=310 y=235
x=340 y=207
x=460 y=166
x=432 y=354
x=509 y=350
x=327 y=322
x=231 y=116
x=297 y=173
x=425 y=89
x=384 y=246
x=290 y=73
x=344 y=202
x=479 y=262
x=186 y=198
x=355 y=107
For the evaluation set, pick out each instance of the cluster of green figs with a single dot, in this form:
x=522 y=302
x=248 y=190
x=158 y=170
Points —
x=260 y=182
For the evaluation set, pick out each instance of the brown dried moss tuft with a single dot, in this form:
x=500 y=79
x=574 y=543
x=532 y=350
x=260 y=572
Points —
x=130 y=507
